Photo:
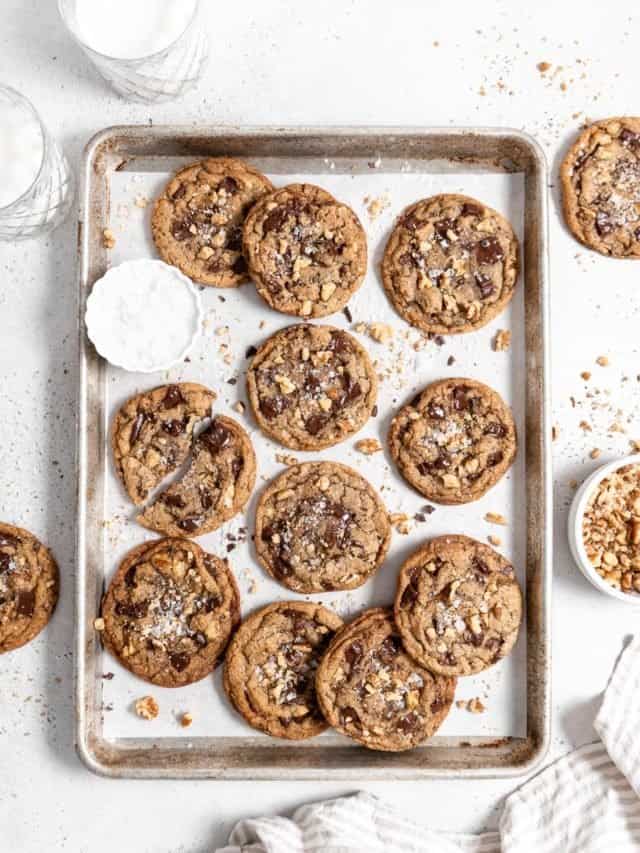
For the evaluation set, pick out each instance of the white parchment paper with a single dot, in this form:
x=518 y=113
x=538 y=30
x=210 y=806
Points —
x=237 y=319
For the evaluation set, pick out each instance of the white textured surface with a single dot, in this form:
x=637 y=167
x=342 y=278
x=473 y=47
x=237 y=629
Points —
x=335 y=62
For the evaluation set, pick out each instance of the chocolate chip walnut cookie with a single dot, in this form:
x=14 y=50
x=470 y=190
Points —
x=454 y=441
x=29 y=583
x=370 y=689
x=311 y=386
x=216 y=485
x=320 y=526
x=169 y=612
x=270 y=668
x=307 y=252
x=601 y=187
x=451 y=264
x=458 y=606
x=152 y=433
x=197 y=221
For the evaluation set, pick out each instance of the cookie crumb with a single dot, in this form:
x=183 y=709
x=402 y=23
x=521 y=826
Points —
x=286 y=459
x=401 y=521
x=380 y=332
x=602 y=360
x=495 y=518
x=368 y=446
x=186 y=720
x=586 y=375
x=595 y=453
x=555 y=432
x=108 y=238
x=98 y=624
x=494 y=540
x=475 y=706
x=635 y=445
x=141 y=201
x=543 y=67
x=147 y=708
x=584 y=426
x=375 y=206
x=502 y=340
x=239 y=407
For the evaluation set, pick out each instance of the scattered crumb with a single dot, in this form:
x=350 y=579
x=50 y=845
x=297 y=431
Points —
x=494 y=540
x=375 y=206
x=141 y=201
x=186 y=720
x=495 y=518
x=147 y=708
x=502 y=340
x=451 y=360
x=239 y=407
x=585 y=375
x=401 y=522
x=380 y=332
x=635 y=445
x=602 y=360
x=108 y=238
x=99 y=624
x=555 y=432
x=368 y=446
x=286 y=459
x=595 y=453
x=543 y=67
x=573 y=484
x=584 y=426
x=474 y=706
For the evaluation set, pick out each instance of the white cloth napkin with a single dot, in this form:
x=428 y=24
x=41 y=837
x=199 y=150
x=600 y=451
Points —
x=586 y=802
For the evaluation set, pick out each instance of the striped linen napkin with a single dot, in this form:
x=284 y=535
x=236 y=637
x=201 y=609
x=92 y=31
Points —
x=586 y=802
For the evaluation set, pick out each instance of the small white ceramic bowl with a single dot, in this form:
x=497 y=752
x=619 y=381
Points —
x=576 y=541
x=143 y=316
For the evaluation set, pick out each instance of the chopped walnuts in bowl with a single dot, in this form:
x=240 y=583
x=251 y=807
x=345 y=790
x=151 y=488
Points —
x=604 y=529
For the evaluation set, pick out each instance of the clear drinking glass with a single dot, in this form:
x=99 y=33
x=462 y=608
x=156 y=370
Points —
x=48 y=199
x=161 y=76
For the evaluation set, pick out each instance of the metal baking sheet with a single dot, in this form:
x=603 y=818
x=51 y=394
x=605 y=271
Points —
x=124 y=169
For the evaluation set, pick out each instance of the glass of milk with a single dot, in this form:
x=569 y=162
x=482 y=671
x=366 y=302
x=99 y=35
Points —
x=148 y=50
x=36 y=184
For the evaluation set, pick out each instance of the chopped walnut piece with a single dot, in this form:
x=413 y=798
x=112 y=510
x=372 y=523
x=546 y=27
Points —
x=475 y=706
x=239 y=407
x=286 y=459
x=495 y=518
x=108 y=238
x=602 y=360
x=494 y=540
x=368 y=446
x=98 y=624
x=502 y=340
x=147 y=708
x=543 y=67
x=380 y=332
x=186 y=720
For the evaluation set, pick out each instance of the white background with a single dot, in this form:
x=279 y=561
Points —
x=295 y=63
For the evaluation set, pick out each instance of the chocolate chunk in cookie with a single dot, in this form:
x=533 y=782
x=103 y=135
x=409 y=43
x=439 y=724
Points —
x=450 y=265
x=458 y=606
x=152 y=433
x=169 y=612
x=216 y=485
x=28 y=587
x=372 y=691
x=307 y=252
x=270 y=668
x=320 y=526
x=197 y=221
x=601 y=187
x=454 y=441
x=311 y=386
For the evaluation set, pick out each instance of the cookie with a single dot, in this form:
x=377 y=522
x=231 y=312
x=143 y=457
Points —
x=311 y=386
x=601 y=187
x=454 y=441
x=169 y=612
x=307 y=252
x=372 y=691
x=151 y=434
x=216 y=485
x=197 y=221
x=320 y=526
x=29 y=584
x=451 y=264
x=458 y=606
x=270 y=667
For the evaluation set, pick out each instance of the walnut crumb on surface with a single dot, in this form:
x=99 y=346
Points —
x=98 y=624
x=147 y=708
x=543 y=67
x=495 y=518
x=379 y=332
x=401 y=521
x=474 y=706
x=186 y=720
x=502 y=340
x=602 y=360
x=368 y=446
x=586 y=375
x=595 y=453
x=375 y=206
x=108 y=238
x=494 y=540
x=239 y=407
x=286 y=459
